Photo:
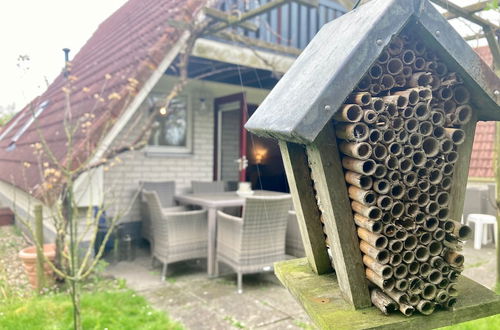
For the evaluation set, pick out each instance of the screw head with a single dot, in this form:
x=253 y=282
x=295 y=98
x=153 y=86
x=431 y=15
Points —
x=379 y=42
x=496 y=92
x=328 y=107
x=438 y=33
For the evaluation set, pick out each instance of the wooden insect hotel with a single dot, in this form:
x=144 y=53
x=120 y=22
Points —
x=376 y=121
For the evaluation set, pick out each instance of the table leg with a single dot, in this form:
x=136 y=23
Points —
x=212 y=240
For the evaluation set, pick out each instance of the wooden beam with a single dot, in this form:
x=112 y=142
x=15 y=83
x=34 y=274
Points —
x=474 y=37
x=229 y=19
x=328 y=177
x=298 y=174
x=258 y=43
x=471 y=9
x=461 y=173
x=261 y=10
x=494 y=47
x=459 y=11
x=497 y=177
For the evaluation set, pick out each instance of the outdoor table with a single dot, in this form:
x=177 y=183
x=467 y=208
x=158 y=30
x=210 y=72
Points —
x=213 y=202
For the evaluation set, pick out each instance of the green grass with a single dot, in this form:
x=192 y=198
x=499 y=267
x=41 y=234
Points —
x=121 y=309
x=488 y=323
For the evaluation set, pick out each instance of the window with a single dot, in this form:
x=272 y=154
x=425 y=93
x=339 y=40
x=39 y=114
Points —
x=32 y=117
x=172 y=127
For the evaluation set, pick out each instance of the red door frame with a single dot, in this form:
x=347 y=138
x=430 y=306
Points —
x=241 y=98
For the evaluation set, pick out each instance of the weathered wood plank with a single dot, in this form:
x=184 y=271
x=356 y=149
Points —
x=321 y=298
x=308 y=215
x=328 y=176
x=461 y=173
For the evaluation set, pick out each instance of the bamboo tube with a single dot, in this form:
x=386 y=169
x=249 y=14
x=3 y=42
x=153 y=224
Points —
x=411 y=209
x=398 y=296
x=423 y=199
x=387 y=284
x=407 y=310
x=378 y=104
x=410 y=242
x=448 y=169
x=407 y=71
x=444 y=283
x=450 y=303
x=397 y=209
x=425 y=307
x=379 y=151
x=415 y=141
x=438 y=132
x=383 y=57
x=436 y=262
x=441 y=69
x=418 y=65
x=410 y=94
x=351 y=113
x=397 y=190
x=424 y=93
x=447 y=225
x=432 y=208
x=386 y=218
x=421 y=253
x=370 y=116
x=437 y=119
x=397 y=123
x=365 y=197
x=422 y=111
x=374 y=136
x=420 y=217
x=383 y=271
x=429 y=291
x=382 y=256
x=371 y=212
x=400 y=271
x=419 y=79
x=354 y=131
x=454 y=259
x=415 y=285
x=381 y=186
x=453 y=275
x=407 y=149
x=388 y=136
x=435 y=248
x=446 y=146
x=384 y=202
x=383 y=302
x=375 y=71
x=461 y=94
x=395 y=259
x=425 y=238
x=395 y=246
x=442 y=296
x=375 y=240
x=462 y=232
x=456 y=135
x=430 y=163
x=425 y=269
x=364 y=83
x=419 y=158
x=445 y=93
x=359 y=150
x=359 y=180
x=408 y=112
x=464 y=114
x=362 y=98
x=408 y=257
x=401 y=284
x=401 y=234
x=411 y=125
x=442 y=198
x=407 y=57
x=435 y=83
x=366 y=167
x=448 y=107
x=399 y=100
x=430 y=65
x=364 y=222
x=391 y=162
x=430 y=146
x=386 y=82
x=413 y=268
x=435 y=276
x=380 y=171
x=439 y=234
x=405 y=165
x=395 y=46
x=410 y=179
x=389 y=230
x=395 y=149
x=405 y=222
x=413 y=299
x=374 y=89
x=425 y=128
x=452 y=290
x=393 y=175
x=394 y=66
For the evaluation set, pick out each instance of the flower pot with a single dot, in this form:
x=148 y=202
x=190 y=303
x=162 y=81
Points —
x=6 y=217
x=28 y=256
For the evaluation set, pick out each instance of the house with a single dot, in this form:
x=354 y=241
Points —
x=122 y=74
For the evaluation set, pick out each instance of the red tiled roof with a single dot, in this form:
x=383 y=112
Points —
x=483 y=151
x=131 y=43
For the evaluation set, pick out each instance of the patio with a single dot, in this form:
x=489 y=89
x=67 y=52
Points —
x=189 y=296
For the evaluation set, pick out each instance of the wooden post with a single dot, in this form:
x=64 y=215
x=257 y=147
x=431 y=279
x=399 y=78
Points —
x=328 y=176
x=497 y=182
x=461 y=173
x=298 y=174
x=39 y=248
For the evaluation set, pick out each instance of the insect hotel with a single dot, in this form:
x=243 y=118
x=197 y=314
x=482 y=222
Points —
x=375 y=122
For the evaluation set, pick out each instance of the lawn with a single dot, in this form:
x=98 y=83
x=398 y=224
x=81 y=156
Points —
x=120 y=309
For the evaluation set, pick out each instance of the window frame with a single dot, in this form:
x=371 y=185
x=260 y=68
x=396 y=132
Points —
x=154 y=150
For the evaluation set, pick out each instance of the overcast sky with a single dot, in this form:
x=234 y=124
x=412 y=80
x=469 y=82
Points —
x=41 y=28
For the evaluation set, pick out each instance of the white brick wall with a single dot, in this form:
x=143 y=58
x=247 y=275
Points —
x=121 y=182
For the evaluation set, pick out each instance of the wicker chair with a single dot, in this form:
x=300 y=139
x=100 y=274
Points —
x=294 y=245
x=206 y=187
x=178 y=235
x=166 y=193
x=252 y=244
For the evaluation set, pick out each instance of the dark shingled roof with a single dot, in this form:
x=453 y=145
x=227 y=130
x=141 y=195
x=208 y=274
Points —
x=123 y=53
x=341 y=53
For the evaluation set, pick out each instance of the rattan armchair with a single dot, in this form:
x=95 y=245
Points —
x=294 y=245
x=252 y=243
x=177 y=236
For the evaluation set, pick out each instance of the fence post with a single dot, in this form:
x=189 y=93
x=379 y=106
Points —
x=40 y=276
